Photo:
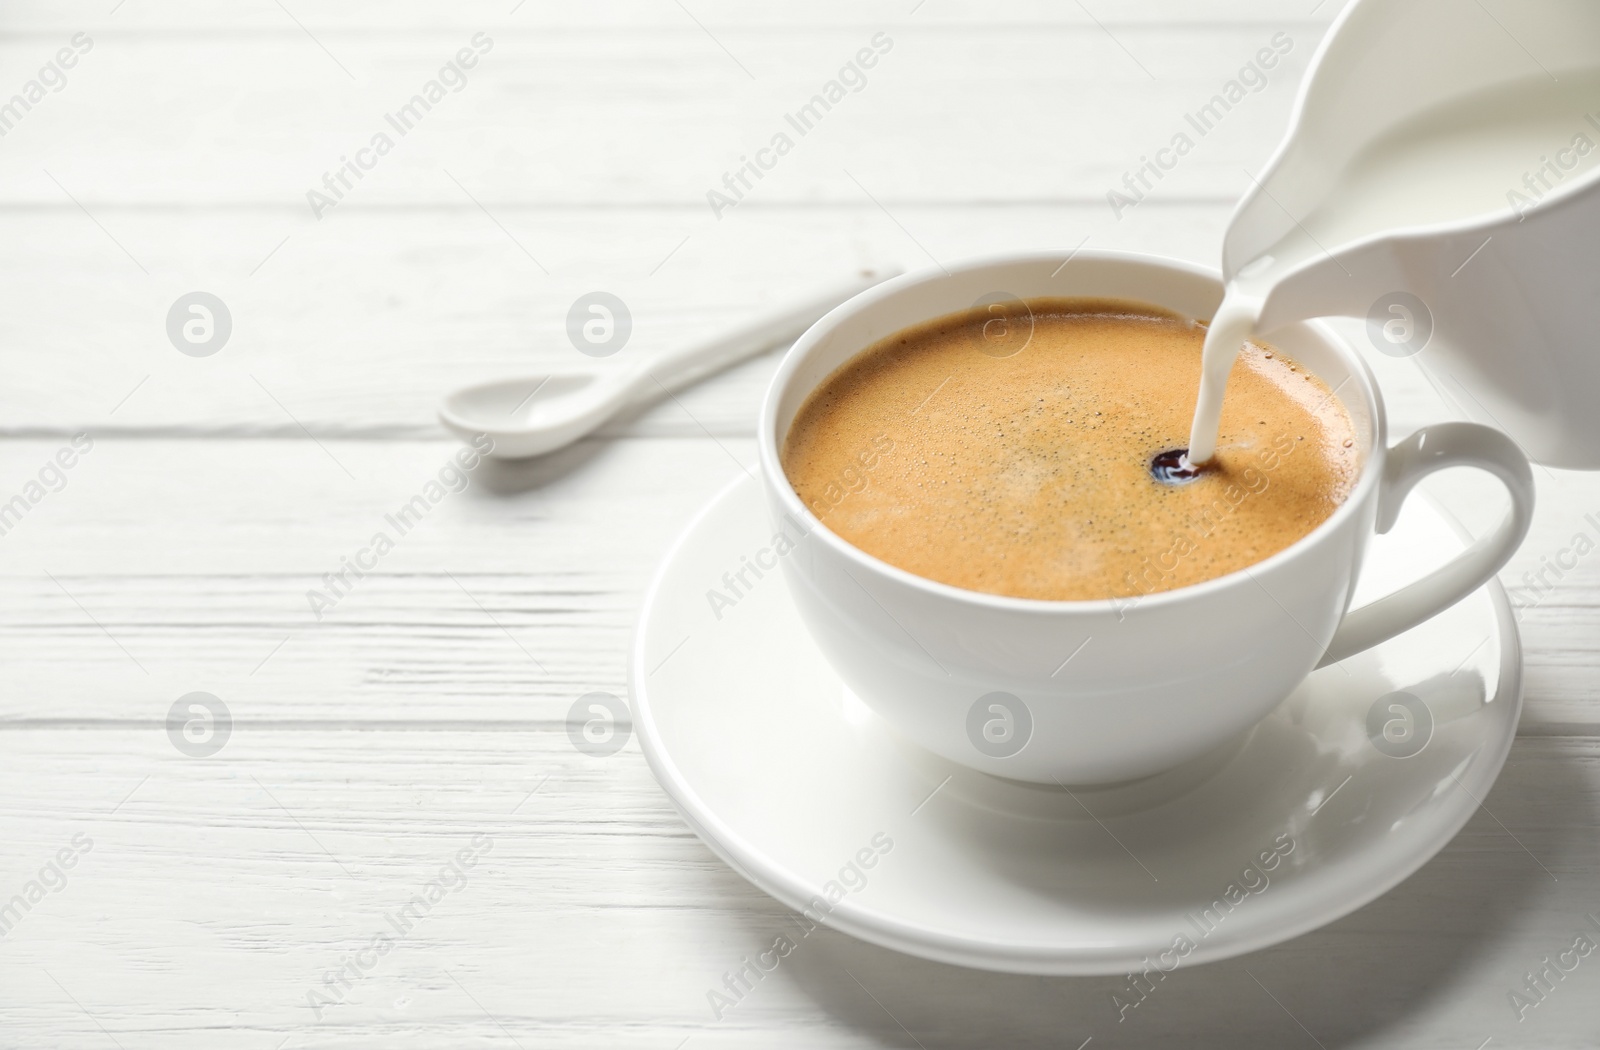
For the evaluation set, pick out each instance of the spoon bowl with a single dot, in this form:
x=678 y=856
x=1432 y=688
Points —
x=531 y=415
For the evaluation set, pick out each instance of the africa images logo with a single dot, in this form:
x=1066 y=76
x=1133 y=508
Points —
x=999 y=724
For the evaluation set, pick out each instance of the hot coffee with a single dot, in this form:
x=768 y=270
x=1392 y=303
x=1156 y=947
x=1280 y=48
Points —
x=1034 y=450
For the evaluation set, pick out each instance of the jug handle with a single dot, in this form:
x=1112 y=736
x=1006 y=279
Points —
x=1431 y=449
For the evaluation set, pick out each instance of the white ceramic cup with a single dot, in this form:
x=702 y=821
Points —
x=1084 y=692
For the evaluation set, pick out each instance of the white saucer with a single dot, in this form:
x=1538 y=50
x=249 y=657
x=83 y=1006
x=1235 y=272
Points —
x=799 y=787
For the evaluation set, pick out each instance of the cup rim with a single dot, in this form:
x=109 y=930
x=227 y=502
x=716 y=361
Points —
x=777 y=481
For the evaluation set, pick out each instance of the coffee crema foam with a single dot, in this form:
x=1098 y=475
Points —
x=1029 y=475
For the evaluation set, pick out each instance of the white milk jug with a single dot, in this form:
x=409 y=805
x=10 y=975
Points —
x=1440 y=178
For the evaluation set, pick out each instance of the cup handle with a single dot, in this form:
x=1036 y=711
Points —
x=1430 y=449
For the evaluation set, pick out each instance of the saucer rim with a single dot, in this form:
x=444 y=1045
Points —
x=886 y=931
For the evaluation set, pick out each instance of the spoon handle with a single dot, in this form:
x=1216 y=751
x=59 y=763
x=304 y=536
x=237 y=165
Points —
x=682 y=366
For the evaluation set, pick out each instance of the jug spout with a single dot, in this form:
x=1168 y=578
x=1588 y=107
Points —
x=1352 y=283
x=1503 y=316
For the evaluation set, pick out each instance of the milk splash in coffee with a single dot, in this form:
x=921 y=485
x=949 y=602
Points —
x=1480 y=156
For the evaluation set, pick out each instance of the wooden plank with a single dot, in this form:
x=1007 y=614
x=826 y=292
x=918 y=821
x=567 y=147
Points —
x=626 y=119
x=217 y=892
x=509 y=576
x=360 y=327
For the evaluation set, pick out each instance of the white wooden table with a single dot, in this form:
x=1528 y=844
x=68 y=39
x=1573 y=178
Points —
x=231 y=899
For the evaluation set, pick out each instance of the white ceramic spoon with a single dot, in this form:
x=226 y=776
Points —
x=535 y=414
